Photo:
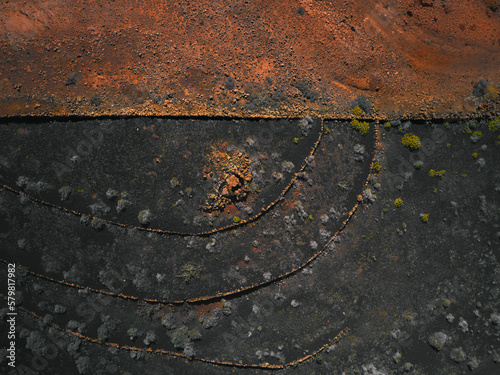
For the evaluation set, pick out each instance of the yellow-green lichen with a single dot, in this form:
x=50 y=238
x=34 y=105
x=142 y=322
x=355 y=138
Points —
x=189 y=271
x=398 y=202
x=360 y=126
x=494 y=124
x=357 y=111
x=411 y=141
x=491 y=93
x=433 y=173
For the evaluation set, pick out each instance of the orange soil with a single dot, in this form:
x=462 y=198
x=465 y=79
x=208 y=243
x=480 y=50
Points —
x=418 y=58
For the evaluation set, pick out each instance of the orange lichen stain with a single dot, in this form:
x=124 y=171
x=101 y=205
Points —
x=242 y=264
x=231 y=209
x=231 y=173
x=293 y=200
x=207 y=309
x=283 y=285
x=232 y=182
x=256 y=250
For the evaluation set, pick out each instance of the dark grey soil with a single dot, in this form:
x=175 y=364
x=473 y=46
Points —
x=417 y=297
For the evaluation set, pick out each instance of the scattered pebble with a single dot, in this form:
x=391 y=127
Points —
x=59 y=309
x=168 y=321
x=82 y=364
x=99 y=209
x=437 y=340
x=495 y=319
x=277 y=176
x=111 y=193
x=96 y=223
x=36 y=187
x=288 y=166
x=22 y=243
x=458 y=355
x=145 y=217
x=481 y=162
x=212 y=320
x=359 y=152
x=368 y=196
x=150 y=338
x=324 y=219
x=450 y=318
x=463 y=325
x=133 y=333
x=227 y=307
x=121 y=205
x=473 y=363
x=397 y=357
x=65 y=192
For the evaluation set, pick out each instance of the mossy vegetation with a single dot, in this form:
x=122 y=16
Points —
x=433 y=173
x=357 y=111
x=478 y=134
x=189 y=271
x=174 y=182
x=398 y=202
x=411 y=141
x=194 y=334
x=494 y=124
x=360 y=126
x=491 y=93
x=144 y=217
